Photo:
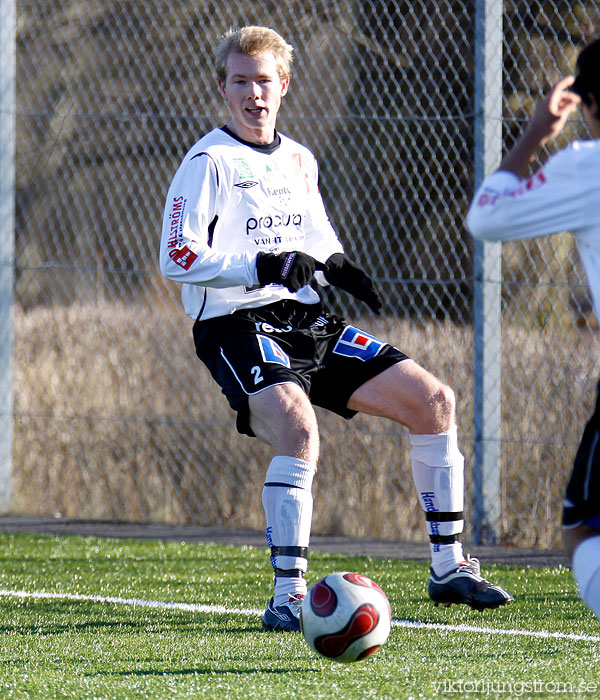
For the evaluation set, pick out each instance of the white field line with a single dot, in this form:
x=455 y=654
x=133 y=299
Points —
x=542 y=634
x=222 y=610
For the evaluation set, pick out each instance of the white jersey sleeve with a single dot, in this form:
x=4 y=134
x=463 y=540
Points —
x=563 y=196
x=194 y=202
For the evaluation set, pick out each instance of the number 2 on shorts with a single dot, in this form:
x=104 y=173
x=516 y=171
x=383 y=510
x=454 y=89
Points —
x=256 y=371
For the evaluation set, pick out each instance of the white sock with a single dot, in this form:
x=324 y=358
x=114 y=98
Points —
x=438 y=474
x=287 y=501
x=586 y=571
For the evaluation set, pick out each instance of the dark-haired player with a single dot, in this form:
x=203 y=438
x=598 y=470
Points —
x=564 y=195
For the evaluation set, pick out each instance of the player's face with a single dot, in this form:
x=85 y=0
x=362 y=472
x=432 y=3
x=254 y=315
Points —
x=253 y=90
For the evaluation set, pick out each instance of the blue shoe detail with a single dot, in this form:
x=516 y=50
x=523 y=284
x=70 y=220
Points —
x=286 y=617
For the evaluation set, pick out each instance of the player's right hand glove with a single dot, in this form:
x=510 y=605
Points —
x=343 y=273
x=293 y=269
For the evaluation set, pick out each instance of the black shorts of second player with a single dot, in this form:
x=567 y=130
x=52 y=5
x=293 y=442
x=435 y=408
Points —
x=253 y=349
x=582 y=497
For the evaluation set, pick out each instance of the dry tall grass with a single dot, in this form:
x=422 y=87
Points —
x=116 y=418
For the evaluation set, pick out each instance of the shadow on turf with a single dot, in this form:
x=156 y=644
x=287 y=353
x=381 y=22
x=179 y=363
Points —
x=203 y=672
x=45 y=630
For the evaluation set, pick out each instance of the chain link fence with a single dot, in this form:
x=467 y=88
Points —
x=115 y=418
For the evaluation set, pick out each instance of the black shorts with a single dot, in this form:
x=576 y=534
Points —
x=287 y=341
x=582 y=497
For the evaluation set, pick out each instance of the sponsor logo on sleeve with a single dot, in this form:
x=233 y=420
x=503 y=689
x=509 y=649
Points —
x=356 y=343
x=176 y=216
x=488 y=199
x=184 y=257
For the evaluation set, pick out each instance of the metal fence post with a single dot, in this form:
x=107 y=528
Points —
x=487 y=272
x=7 y=219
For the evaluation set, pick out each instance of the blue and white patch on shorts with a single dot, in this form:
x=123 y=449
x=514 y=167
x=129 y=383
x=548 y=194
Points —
x=271 y=351
x=356 y=343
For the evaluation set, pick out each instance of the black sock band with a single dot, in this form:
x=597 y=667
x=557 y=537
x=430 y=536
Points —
x=434 y=516
x=289 y=552
x=443 y=539
x=289 y=573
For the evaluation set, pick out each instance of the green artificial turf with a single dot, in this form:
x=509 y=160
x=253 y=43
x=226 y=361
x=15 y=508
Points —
x=57 y=647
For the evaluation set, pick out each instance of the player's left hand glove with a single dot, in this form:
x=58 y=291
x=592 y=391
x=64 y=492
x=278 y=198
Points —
x=343 y=273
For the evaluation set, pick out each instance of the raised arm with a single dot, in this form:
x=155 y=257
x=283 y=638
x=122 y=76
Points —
x=548 y=120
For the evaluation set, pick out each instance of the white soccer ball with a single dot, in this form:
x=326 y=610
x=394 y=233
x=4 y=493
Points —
x=345 y=617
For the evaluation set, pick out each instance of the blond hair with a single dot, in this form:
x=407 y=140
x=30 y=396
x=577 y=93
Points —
x=252 y=41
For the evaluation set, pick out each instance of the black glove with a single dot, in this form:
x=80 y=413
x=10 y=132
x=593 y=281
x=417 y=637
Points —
x=293 y=270
x=343 y=273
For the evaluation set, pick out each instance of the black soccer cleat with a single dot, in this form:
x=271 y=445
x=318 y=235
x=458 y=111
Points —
x=286 y=617
x=465 y=585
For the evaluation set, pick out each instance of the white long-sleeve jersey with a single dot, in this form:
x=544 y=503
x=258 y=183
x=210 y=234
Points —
x=227 y=202
x=564 y=195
